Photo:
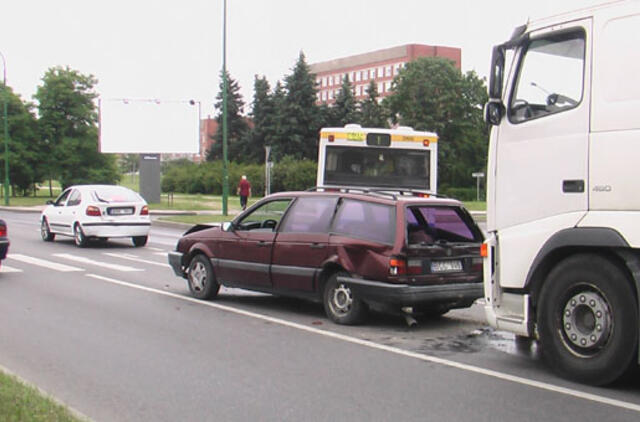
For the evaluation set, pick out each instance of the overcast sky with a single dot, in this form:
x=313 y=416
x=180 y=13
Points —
x=173 y=49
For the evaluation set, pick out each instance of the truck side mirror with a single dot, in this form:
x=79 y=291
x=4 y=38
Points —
x=493 y=112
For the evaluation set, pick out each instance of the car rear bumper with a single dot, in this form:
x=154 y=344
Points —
x=456 y=295
x=175 y=260
x=116 y=229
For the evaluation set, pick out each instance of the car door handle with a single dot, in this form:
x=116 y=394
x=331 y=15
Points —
x=262 y=244
x=317 y=246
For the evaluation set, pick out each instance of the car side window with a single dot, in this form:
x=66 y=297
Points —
x=550 y=77
x=310 y=215
x=74 y=198
x=365 y=220
x=266 y=217
x=62 y=199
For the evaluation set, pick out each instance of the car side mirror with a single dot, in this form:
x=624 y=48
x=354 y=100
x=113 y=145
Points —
x=228 y=226
x=49 y=202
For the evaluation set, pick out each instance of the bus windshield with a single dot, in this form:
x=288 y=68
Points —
x=377 y=167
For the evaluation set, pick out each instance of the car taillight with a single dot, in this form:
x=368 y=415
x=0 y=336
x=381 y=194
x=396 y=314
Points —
x=3 y=231
x=397 y=266
x=144 y=210
x=93 y=211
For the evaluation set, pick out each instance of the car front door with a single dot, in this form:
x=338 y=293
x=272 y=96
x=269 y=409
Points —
x=243 y=256
x=57 y=216
x=302 y=243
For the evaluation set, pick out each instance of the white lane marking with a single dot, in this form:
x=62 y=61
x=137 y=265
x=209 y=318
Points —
x=8 y=269
x=427 y=358
x=163 y=253
x=43 y=263
x=136 y=259
x=96 y=263
x=154 y=249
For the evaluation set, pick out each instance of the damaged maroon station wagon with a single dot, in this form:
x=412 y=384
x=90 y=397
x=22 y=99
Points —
x=349 y=250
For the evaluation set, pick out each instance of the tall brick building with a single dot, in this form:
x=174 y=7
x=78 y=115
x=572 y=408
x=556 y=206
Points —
x=380 y=66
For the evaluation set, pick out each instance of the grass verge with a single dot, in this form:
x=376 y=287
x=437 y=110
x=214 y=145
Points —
x=23 y=403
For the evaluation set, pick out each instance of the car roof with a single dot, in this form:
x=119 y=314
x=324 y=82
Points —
x=382 y=197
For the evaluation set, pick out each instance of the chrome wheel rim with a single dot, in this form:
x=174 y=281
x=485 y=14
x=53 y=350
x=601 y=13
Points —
x=198 y=276
x=587 y=322
x=341 y=300
x=44 y=229
x=79 y=236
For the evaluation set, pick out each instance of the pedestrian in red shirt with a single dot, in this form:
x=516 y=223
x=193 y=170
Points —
x=244 y=190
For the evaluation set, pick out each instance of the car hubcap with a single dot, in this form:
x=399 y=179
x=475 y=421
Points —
x=198 y=276
x=44 y=230
x=586 y=321
x=342 y=299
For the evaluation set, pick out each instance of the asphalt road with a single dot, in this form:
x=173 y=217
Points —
x=110 y=331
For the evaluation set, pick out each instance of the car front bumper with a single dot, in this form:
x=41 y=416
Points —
x=175 y=260
x=456 y=295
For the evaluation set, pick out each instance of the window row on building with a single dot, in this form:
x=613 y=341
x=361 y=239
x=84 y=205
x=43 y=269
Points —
x=359 y=91
x=363 y=75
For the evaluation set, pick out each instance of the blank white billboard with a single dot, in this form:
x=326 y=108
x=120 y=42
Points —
x=138 y=126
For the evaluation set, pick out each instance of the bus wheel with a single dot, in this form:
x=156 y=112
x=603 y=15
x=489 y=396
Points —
x=588 y=320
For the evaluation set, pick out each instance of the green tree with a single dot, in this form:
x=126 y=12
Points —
x=431 y=94
x=68 y=124
x=25 y=149
x=372 y=114
x=345 y=109
x=300 y=123
x=237 y=126
x=263 y=115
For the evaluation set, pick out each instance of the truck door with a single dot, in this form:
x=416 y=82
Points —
x=541 y=152
x=542 y=149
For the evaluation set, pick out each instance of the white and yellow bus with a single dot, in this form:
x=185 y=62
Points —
x=394 y=159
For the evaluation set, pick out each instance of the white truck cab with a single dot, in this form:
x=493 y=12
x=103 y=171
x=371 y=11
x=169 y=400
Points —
x=563 y=197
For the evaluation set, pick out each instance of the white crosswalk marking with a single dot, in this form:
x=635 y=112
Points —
x=43 y=263
x=136 y=259
x=8 y=269
x=97 y=263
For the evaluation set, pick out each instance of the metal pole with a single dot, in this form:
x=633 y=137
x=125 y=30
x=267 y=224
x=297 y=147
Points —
x=225 y=171
x=6 y=132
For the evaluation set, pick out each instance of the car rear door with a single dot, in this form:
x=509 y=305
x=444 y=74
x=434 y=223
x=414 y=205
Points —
x=302 y=243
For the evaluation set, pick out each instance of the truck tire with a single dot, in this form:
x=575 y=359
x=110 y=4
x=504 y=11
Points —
x=588 y=320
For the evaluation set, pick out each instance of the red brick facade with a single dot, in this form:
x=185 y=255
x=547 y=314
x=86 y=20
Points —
x=381 y=66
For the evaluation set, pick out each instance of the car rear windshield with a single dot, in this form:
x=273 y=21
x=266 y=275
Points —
x=115 y=194
x=430 y=224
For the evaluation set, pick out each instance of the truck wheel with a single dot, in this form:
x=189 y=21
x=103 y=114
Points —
x=201 y=278
x=588 y=320
x=340 y=304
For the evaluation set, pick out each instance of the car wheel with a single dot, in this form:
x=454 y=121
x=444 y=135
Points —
x=139 y=240
x=587 y=320
x=79 y=236
x=340 y=303
x=201 y=278
x=45 y=231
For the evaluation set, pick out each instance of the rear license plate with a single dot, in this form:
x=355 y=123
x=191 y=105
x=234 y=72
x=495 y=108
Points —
x=446 y=266
x=120 y=211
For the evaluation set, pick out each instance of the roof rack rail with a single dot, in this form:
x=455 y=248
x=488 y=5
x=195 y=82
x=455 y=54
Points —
x=392 y=193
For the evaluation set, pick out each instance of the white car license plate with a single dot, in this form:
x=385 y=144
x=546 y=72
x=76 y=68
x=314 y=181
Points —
x=446 y=266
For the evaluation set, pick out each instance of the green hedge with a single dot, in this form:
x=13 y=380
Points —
x=206 y=178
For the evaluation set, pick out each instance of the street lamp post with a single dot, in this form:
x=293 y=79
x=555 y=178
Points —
x=6 y=131
x=225 y=170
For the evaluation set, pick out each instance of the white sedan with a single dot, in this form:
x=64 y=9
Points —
x=96 y=212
